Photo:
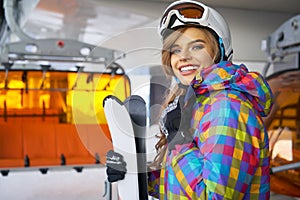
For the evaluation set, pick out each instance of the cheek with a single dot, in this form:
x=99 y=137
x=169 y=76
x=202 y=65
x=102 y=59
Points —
x=205 y=58
x=173 y=60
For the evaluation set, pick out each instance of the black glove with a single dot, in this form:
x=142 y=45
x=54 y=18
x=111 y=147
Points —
x=115 y=166
x=178 y=124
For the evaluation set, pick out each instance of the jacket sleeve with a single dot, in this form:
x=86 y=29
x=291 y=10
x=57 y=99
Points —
x=229 y=143
x=153 y=183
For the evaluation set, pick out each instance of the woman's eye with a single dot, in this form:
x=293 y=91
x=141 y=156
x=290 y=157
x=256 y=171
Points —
x=175 y=51
x=197 y=47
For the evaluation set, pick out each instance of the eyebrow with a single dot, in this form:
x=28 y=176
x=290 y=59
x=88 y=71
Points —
x=198 y=40
x=191 y=42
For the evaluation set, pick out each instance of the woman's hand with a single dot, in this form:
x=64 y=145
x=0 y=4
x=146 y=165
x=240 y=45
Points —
x=115 y=166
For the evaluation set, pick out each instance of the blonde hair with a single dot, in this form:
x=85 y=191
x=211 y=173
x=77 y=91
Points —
x=175 y=91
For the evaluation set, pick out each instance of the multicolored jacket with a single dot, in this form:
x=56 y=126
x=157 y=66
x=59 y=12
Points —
x=228 y=158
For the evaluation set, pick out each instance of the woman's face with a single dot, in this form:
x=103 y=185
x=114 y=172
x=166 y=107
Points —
x=190 y=53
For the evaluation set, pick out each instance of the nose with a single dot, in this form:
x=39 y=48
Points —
x=185 y=55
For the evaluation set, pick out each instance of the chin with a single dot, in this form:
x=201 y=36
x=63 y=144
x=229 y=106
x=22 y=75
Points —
x=186 y=80
x=187 y=83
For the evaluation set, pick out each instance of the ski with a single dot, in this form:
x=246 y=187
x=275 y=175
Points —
x=127 y=121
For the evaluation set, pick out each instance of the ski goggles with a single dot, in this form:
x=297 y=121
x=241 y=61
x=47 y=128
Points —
x=186 y=13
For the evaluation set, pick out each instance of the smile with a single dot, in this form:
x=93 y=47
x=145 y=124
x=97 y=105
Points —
x=188 y=68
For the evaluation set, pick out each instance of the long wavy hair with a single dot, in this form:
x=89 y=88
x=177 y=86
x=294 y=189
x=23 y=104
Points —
x=175 y=90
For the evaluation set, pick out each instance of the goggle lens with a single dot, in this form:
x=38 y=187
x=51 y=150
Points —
x=194 y=13
x=187 y=10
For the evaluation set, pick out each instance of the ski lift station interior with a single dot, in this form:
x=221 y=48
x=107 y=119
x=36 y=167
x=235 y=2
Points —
x=61 y=58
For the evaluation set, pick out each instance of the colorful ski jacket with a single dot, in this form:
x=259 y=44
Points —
x=228 y=158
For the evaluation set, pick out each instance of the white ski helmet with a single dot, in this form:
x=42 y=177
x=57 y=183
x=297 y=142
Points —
x=183 y=12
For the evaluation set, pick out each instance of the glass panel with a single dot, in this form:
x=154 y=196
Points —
x=284 y=131
x=66 y=96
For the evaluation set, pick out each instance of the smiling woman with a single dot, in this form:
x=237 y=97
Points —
x=212 y=142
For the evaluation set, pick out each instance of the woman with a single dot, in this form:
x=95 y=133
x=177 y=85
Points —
x=213 y=143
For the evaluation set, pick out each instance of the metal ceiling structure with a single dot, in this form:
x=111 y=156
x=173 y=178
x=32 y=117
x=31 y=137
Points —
x=18 y=46
x=289 y=6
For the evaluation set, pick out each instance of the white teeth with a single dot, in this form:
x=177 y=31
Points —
x=188 y=68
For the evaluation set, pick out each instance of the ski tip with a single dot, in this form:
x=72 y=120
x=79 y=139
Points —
x=135 y=98
x=113 y=98
x=136 y=106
